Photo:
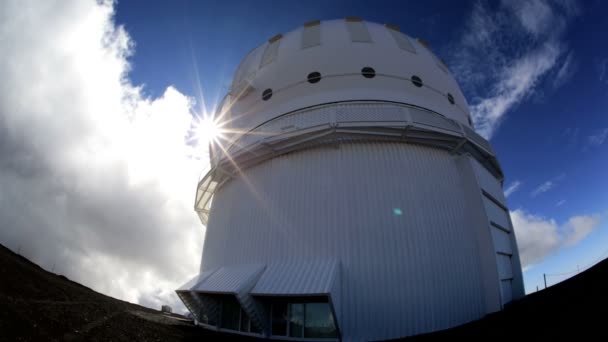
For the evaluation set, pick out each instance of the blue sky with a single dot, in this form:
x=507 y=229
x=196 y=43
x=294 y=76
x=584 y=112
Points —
x=552 y=134
x=97 y=97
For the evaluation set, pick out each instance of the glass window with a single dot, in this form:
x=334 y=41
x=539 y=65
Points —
x=245 y=322
x=296 y=320
x=254 y=329
x=279 y=319
x=231 y=311
x=209 y=310
x=319 y=322
x=207 y=317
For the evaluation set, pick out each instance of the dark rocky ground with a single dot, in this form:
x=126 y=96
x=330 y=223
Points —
x=576 y=309
x=36 y=305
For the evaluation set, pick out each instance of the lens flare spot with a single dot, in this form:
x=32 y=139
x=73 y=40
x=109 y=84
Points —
x=206 y=130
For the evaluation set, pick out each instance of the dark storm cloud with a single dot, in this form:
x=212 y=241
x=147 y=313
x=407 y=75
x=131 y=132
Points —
x=96 y=181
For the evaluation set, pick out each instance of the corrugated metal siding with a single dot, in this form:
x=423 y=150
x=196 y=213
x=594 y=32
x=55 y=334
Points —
x=358 y=31
x=369 y=112
x=187 y=286
x=489 y=184
x=231 y=279
x=506 y=290
x=505 y=269
x=502 y=241
x=401 y=274
x=499 y=222
x=237 y=280
x=496 y=214
x=297 y=278
x=198 y=279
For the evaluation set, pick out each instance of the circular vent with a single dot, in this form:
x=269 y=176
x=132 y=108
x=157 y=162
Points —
x=451 y=98
x=368 y=72
x=267 y=94
x=314 y=77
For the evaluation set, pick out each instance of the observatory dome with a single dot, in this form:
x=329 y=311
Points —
x=324 y=62
x=350 y=197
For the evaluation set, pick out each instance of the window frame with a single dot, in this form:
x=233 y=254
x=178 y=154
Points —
x=304 y=303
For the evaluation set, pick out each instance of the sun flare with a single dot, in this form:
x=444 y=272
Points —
x=207 y=130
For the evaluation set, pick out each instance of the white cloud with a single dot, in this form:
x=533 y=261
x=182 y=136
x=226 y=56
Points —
x=578 y=227
x=538 y=237
x=505 y=53
x=598 y=138
x=96 y=179
x=565 y=72
x=548 y=185
x=514 y=186
x=602 y=70
x=535 y=16
x=517 y=82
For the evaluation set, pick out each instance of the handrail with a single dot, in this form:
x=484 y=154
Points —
x=331 y=123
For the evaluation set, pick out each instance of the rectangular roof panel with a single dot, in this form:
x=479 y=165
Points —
x=358 y=31
x=231 y=279
x=314 y=277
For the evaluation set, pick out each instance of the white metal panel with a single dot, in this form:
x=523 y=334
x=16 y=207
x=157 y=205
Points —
x=231 y=279
x=358 y=32
x=502 y=240
x=425 y=118
x=506 y=289
x=489 y=183
x=313 y=277
x=401 y=274
x=369 y=112
x=311 y=36
x=496 y=214
x=402 y=41
x=246 y=71
x=478 y=139
x=505 y=267
x=198 y=279
x=270 y=53
x=442 y=66
x=402 y=220
x=340 y=60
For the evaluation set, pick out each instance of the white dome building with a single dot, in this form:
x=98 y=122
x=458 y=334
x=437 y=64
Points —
x=353 y=200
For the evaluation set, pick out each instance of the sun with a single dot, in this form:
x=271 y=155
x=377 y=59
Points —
x=206 y=130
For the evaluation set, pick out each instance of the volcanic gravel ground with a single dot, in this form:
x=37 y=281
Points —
x=36 y=305
x=575 y=309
